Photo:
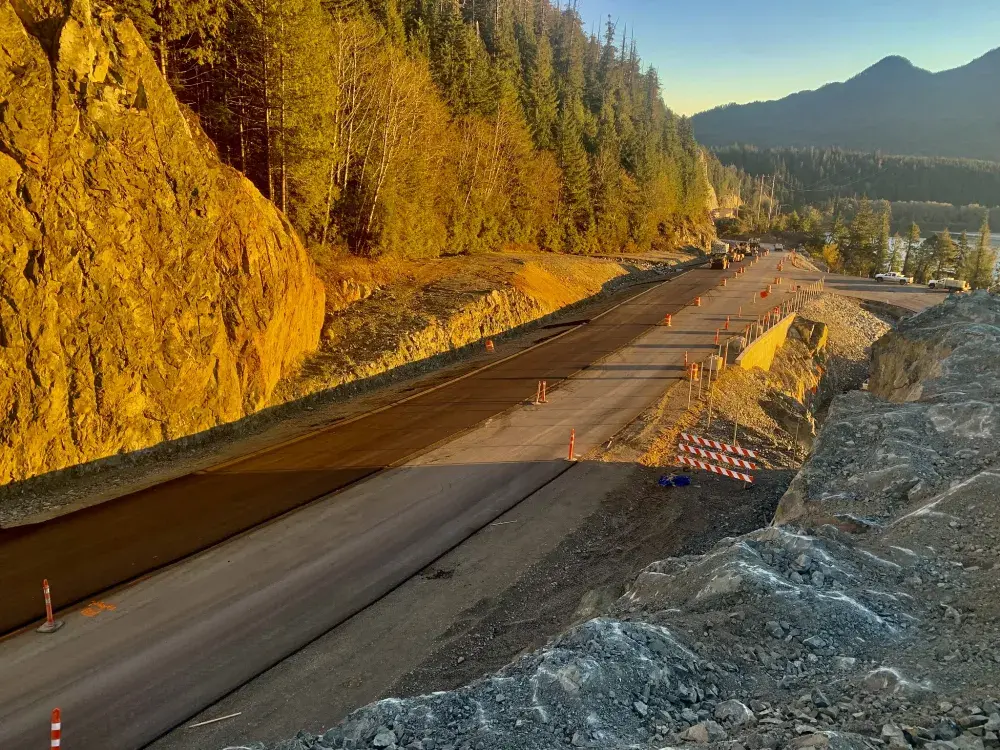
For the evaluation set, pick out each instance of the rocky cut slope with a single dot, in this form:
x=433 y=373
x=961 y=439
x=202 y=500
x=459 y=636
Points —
x=146 y=291
x=931 y=418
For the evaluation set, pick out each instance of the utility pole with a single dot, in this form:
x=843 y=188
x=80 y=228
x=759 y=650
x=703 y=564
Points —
x=760 y=199
x=770 y=209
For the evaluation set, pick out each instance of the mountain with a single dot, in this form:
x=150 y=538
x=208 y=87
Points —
x=893 y=107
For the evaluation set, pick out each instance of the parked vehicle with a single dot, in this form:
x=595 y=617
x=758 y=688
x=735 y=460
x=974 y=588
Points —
x=720 y=262
x=893 y=277
x=949 y=285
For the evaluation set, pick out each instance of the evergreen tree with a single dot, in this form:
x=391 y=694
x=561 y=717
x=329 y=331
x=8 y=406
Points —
x=542 y=98
x=945 y=253
x=180 y=32
x=577 y=207
x=883 y=219
x=963 y=255
x=983 y=261
x=912 y=243
x=896 y=254
x=924 y=259
x=858 y=255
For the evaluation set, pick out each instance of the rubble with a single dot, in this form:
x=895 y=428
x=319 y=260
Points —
x=866 y=619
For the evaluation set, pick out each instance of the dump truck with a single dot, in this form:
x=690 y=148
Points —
x=719 y=259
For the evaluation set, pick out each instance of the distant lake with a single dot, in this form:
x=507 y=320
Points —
x=974 y=238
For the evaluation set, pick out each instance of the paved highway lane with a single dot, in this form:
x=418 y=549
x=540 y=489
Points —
x=97 y=548
x=177 y=641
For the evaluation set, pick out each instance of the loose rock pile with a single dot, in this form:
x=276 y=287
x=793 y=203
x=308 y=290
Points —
x=869 y=623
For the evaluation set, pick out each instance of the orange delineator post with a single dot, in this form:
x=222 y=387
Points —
x=716 y=335
x=685 y=359
x=572 y=444
x=55 y=730
x=697 y=301
x=50 y=625
x=669 y=321
x=540 y=393
x=727 y=323
x=723 y=282
x=545 y=396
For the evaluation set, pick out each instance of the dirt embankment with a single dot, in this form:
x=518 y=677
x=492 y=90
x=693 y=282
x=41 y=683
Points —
x=414 y=312
x=826 y=354
x=869 y=621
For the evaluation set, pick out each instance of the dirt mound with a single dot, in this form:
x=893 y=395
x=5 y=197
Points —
x=424 y=310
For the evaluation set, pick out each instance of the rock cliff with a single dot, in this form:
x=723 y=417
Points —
x=930 y=420
x=147 y=291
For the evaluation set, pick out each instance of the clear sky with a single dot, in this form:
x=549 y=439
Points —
x=711 y=52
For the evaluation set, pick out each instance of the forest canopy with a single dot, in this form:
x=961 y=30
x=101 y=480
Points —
x=430 y=127
x=812 y=175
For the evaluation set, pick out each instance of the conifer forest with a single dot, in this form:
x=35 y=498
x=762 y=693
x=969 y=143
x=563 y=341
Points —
x=431 y=127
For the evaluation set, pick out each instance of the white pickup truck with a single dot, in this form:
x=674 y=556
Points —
x=949 y=285
x=893 y=277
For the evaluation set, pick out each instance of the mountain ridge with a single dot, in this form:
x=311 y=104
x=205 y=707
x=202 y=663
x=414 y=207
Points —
x=892 y=106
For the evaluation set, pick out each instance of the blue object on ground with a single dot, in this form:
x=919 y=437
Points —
x=672 y=480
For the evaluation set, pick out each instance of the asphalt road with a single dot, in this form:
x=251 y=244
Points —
x=178 y=641
x=914 y=297
x=149 y=655
x=97 y=548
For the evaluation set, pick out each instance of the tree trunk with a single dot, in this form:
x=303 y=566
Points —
x=267 y=102
x=283 y=154
x=164 y=57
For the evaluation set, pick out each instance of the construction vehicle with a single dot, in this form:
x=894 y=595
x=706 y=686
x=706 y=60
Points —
x=949 y=285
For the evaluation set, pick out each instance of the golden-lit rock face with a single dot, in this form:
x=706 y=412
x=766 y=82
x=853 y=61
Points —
x=146 y=290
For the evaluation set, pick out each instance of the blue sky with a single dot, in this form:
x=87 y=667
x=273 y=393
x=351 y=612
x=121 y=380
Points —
x=712 y=52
